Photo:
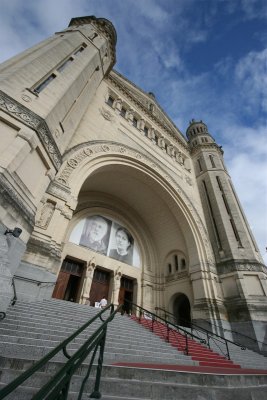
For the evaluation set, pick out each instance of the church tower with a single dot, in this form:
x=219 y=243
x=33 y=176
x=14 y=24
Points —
x=44 y=92
x=239 y=264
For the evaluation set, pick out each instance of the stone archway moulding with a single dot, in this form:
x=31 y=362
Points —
x=79 y=156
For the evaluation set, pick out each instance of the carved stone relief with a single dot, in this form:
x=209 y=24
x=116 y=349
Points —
x=46 y=215
x=106 y=114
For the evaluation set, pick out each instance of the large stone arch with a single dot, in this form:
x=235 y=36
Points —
x=79 y=174
x=87 y=158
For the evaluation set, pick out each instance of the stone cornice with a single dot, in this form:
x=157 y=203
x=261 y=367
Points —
x=143 y=101
x=207 y=146
x=32 y=120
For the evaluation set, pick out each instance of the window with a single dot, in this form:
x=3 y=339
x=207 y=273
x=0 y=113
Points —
x=110 y=101
x=80 y=50
x=170 y=268
x=46 y=82
x=146 y=131
x=183 y=263
x=123 y=112
x=134 y=122
x=65 y=64
x=212 y=161
x=156 y=139
x=176 y=262
x=199 y=165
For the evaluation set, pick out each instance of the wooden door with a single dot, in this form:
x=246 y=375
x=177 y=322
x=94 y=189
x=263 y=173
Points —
x=100 y=286
x=61 y=285
x=121 y=295
x=126 y=294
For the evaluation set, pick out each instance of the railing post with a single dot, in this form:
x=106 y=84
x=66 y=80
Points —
x=227 y=349
x=13 y=301
x=153 y=320
x=96 y=393
x=208 y=340
x=186 y=344
x=168 y=333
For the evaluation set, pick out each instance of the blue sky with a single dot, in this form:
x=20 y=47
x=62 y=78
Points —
x=203 y=59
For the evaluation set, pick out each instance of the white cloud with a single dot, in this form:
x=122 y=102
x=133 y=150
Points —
x=251 y=74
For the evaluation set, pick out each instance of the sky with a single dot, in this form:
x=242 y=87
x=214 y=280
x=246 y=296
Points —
x=203 y=59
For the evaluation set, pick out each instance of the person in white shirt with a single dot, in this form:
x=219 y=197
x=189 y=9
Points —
x=103 y=302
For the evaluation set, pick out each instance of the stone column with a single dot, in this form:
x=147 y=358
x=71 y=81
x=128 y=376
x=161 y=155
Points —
x=87 y=283
x=116 y=286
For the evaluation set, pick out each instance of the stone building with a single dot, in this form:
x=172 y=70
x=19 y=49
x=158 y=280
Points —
x=111 y=198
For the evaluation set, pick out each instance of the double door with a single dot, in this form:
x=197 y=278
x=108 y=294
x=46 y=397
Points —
x=100 y=286
x=68 y=283
x=126 y=293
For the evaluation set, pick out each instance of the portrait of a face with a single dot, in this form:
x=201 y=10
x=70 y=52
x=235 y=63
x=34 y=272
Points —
x=123 y=240
x=95 y=233
x=98 y=228
x=108 y=237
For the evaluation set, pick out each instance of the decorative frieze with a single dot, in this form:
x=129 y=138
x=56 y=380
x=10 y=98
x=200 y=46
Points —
x=30 y=119
x=234 y=266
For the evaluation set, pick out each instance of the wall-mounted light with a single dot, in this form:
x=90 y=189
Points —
x=14 y=232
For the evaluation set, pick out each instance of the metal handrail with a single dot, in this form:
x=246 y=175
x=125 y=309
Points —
x=38 y=283
x=169 y=325
x=238 y=333
x=58 y=386
x=210 y=335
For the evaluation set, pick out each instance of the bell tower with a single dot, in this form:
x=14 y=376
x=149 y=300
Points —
x=44 y=93
x=239 y=263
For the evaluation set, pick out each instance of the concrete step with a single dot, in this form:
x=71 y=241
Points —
x=136 y=383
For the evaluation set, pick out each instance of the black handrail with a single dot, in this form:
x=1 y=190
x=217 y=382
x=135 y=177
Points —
x=58 y=386
x=143 y=311
x=236 y=332
x=209 y=334
x=38 y=283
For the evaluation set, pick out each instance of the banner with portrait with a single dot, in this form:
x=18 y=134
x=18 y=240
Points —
x=107 y=237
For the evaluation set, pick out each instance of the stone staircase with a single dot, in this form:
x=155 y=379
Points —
x=137 y=363
x=213 y=357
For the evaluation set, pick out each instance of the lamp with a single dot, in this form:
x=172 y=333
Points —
x=14 y=232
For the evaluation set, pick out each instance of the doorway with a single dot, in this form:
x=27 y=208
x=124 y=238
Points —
x=69 y=281
x=182 y=310
x=100 y=286
x=126 y=294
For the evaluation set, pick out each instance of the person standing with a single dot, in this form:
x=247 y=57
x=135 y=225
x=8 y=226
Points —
x=103 y=302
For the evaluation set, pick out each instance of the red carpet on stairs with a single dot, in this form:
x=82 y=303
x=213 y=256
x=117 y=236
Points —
x=197 y=351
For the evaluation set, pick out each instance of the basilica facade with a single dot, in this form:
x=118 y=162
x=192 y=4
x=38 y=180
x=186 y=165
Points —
x=111 y=199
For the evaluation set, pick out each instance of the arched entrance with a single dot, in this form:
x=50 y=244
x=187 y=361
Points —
x=182 y=310
x=153 y=208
